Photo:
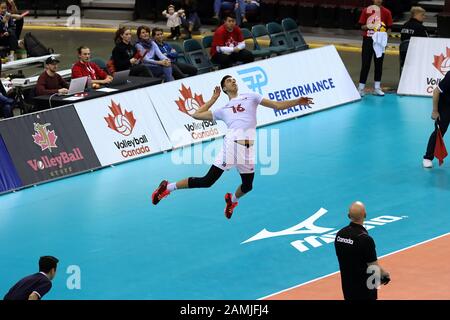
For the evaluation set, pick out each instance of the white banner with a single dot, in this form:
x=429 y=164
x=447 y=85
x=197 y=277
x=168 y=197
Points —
x=427 y=62
x=176 y=101
x=122 y=126
x=317 y=73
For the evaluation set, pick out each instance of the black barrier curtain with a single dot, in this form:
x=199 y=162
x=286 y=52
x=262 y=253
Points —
x=46 y=4
x=150 y=9
x=9 y=179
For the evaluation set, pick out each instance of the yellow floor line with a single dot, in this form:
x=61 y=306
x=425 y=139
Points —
x=346 y=48
x=62 y=28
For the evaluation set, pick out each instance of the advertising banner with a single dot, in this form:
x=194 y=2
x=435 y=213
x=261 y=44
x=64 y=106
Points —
x=427 y=62
x=48 y=145
x=123 y=126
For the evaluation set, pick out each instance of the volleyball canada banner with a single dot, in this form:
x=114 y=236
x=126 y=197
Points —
x=123 y=126
x=427 y=62
x=316 y=73
x=48 y=145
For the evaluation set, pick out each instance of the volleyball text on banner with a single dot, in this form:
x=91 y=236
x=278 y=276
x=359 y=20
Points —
x=123 y=126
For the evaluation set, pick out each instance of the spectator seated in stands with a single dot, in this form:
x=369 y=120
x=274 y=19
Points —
x=152 y=57
x=241 y=8
x=125 y=56
x=228 y=45
x=50 y=82
x=12 y=7
x=8 y=35
x=6 y=103
x=179 y=70
x=84 y=68
x=248 y=9
x=191 y=20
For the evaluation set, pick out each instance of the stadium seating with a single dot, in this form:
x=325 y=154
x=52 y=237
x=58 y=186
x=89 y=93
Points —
x=260 y=32
x=196 y=55
x=278 y=38
x=180 y=51
x=293 y=34
x=253 y=46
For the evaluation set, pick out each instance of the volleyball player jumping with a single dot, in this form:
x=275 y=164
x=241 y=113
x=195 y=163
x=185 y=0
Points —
x=239 y=114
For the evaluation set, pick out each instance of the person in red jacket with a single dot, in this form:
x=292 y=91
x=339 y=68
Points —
x=371 y=20
x=85 y=68
x=228 y=44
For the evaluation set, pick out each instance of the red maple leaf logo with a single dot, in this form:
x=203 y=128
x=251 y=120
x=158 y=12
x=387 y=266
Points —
x=44 y=138
x=439 y=62
x=117 y=116
x=189 y=104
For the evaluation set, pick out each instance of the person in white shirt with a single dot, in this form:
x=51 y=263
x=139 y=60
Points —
x=239 y=114
x=173 y=21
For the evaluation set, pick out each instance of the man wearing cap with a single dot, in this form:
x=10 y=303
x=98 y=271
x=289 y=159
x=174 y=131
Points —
x=35 y=286
x=49 y=81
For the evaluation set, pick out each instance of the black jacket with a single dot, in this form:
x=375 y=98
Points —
x=121 y=55
x=413 y=28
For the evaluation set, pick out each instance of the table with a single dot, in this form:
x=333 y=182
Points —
x=43 y=102
x=27 y=62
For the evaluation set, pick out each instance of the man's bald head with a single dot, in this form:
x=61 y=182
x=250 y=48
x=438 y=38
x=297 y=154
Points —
x=357 y=212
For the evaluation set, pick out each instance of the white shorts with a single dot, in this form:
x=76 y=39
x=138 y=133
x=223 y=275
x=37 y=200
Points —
x=236 y=155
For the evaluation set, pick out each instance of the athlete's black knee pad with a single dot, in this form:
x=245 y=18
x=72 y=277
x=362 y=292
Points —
x=246 y=187
x=208 y=180
x=203 y=182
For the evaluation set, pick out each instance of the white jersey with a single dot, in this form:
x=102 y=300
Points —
x=239 y=114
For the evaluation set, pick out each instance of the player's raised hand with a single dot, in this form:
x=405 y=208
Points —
x=216 y=93
x=305 y=101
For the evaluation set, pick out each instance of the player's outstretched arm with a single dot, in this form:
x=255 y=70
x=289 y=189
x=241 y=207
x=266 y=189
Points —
x=281 y=105
x=203 y=112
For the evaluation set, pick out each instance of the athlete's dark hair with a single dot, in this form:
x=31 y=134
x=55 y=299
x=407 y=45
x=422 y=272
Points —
x=222 y=82
x=47 y=263
x=229 y=14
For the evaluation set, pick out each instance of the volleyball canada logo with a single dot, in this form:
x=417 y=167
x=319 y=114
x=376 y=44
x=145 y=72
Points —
x=123 y=123
x=189 y=104
x=120 y=122
x=44 y=138
x=442 y=63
